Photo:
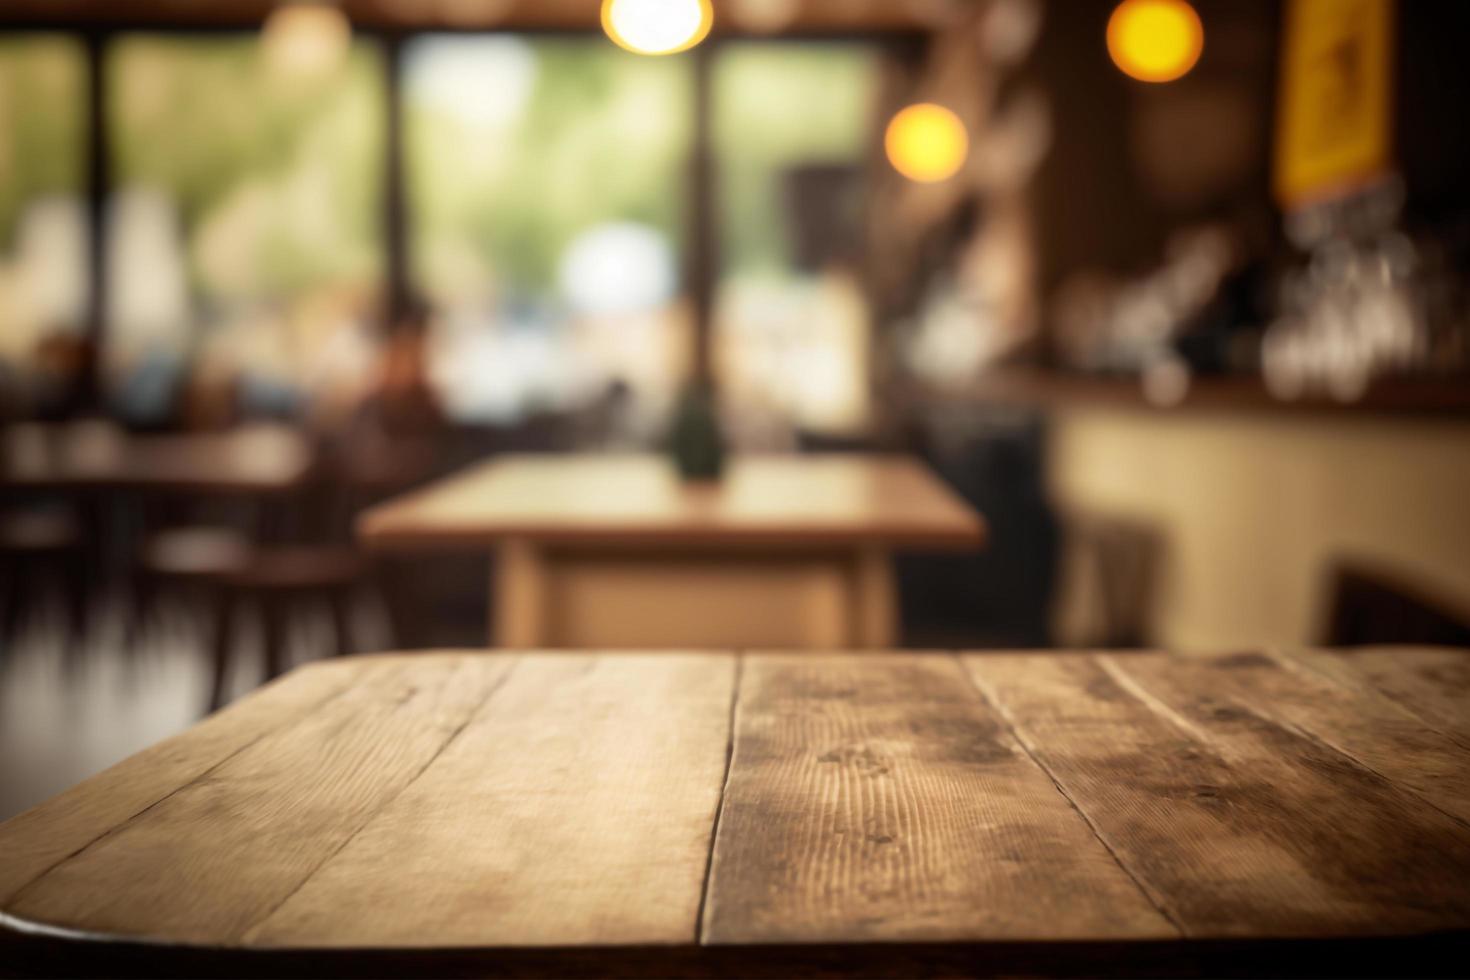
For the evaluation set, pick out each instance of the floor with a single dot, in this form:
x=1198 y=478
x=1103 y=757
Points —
x=67 y=712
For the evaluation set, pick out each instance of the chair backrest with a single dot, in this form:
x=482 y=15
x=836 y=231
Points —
x=1370 y=606
x=1110 y=578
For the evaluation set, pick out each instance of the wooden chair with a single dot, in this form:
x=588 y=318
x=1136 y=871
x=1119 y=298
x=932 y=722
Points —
x=1371 y=606
x=224 y=573
x=193 y=563
x=40 y=546
x=278 y=581
x=311 y=559
x=1110 y=581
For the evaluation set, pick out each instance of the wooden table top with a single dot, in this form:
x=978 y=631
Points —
x=637 y=499
x=253 y=459
x=669 y=813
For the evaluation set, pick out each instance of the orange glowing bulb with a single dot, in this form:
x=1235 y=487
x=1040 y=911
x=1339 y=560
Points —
x=1155 y=40
x=927 y=143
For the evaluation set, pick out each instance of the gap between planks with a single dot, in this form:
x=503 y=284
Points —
x=1305 y=664
x=473 y=714
x=120 y=826
x=714 y=833
x=938 y=720
x=1022 y=740
x=1244 y=712
x=1291 y=666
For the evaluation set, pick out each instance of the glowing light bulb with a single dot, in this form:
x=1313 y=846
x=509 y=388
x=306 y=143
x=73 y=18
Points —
x=657 y=26
x=1155 y=40
x=927 y=143
x=306 y=39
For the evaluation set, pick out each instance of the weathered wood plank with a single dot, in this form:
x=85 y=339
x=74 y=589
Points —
x=1374 y=731
x=878 y=798
x=34 y=841
x=213 y=857
x=576 y=810
x=1431 y=682
x=1237 y=825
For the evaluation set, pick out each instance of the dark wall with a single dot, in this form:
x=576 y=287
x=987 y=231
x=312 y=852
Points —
x=1433 y=77
x=1131 y=161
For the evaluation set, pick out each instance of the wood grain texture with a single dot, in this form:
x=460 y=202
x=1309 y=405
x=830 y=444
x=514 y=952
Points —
x=223 y=850
x=577 y=809
x=878 y=798
x=592 y=814
x=34 y=841
x=789 y=501
x=1374 y=731
x=1236 y=824
x=1431 y=683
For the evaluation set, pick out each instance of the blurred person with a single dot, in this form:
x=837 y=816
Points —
x=402 y=398
x=391 y=437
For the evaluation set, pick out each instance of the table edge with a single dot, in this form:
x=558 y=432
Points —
x=42 y=949
x=382 y=527
x=373 y=535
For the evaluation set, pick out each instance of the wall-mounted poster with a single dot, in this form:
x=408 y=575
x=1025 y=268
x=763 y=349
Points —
x=1334 y=129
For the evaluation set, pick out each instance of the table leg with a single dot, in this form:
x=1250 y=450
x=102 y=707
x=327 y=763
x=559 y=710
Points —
x=875 y=600
x=519 y=596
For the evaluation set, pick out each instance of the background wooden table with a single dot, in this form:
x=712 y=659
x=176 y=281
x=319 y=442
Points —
x=98 y=457
x=668 y=813
x=615 y=551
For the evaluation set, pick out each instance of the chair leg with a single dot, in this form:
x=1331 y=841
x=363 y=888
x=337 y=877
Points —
x=273 y=610
x=17 y=594
x=76 y=589
x=403 y=623
x=142 y=593
x=342 y=621
x=9 y=602
x=226 y=615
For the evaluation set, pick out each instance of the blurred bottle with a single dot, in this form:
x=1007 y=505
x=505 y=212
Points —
x=696 y=441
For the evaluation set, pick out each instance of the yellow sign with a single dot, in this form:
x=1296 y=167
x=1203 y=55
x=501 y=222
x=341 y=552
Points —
x=1334 y=130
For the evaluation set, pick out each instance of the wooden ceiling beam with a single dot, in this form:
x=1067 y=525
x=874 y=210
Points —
x=815 y=17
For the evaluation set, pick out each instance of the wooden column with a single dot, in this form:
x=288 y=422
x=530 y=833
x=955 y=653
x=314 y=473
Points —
x=98 y=183
x=702 y=269
x=396 y=225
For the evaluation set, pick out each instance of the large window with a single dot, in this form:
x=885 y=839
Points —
x=547 y=185
x=43 y=283
x=245 y=237
x=793 y=129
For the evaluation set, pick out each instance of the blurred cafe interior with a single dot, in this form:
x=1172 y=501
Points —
x=1163 y=306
